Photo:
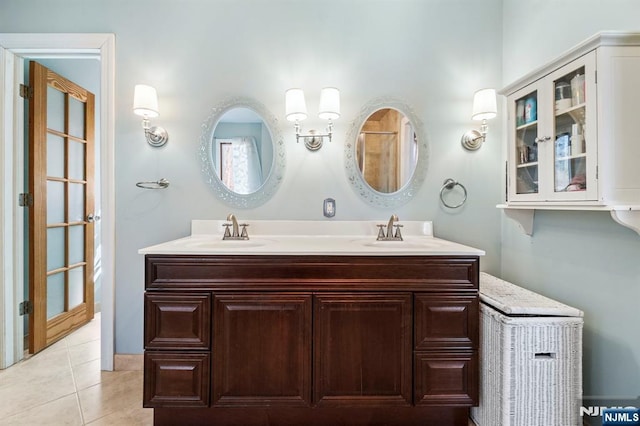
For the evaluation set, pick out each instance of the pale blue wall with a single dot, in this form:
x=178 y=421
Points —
x=583 y=259
x=432 y=53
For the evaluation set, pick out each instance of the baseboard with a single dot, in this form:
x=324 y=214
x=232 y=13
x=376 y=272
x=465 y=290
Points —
x=128 y=362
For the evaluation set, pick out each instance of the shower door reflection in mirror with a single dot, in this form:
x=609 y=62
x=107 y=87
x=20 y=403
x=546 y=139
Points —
x=387 y=150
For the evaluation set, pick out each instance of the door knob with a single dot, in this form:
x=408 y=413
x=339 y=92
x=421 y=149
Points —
x=92 y=218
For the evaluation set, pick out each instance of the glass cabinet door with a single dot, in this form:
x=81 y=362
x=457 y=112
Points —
x=569 y=153
x=553 y=145
x=526 y=146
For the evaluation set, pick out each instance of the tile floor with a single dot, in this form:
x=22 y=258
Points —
x=63 y=385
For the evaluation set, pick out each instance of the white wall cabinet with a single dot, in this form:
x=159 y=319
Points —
x=573 y=138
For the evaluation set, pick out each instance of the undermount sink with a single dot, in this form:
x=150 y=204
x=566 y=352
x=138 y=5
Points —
x=210 y=243
x=402 y=244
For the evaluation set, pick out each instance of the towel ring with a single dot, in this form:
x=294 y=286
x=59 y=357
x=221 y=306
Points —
x=450 y=184
x=160 y=184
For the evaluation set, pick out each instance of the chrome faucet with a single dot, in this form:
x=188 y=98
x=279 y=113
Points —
x=389 y=235
x=393 y=218
x=234 y=233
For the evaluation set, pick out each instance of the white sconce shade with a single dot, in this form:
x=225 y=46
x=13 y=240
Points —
x=484 y=105
x=295 y=106
x=145 y=101
x=329 y=103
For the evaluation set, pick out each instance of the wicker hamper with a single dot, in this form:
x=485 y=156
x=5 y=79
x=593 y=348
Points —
x=530 y=358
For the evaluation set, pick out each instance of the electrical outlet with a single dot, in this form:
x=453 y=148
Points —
x=329 y=207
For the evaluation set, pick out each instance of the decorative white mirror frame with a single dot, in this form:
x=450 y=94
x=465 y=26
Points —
x=355 y=176
x=271 y=183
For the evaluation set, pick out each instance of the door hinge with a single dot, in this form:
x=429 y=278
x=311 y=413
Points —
x=25 y=199
x=26 y=307
x=26 y=91
x=596 y=172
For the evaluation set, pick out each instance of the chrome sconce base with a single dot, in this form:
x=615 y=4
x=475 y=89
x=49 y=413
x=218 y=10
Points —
x=313 y=140
x=156 y=136
x=473 y=139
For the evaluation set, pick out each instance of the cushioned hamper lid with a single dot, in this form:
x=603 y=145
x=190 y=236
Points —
x=514 y=300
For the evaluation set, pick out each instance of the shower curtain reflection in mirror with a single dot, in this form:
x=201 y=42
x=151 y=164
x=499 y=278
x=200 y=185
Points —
x=238 y=163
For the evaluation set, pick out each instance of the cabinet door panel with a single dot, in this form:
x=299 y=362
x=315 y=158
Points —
x=262 y=349
x=362 y=349
x=176 y=379
x=446 y=321
x=177 y=321
x=446 y=378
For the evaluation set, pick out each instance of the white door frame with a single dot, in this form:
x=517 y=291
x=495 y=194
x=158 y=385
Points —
x=12 y=46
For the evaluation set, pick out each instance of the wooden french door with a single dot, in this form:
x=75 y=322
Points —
x=61 y=228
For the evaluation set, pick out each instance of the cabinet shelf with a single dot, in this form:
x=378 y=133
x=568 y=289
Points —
x=527 y=125
x=572 y=157
x=573 y=111
x=523 y=165
x=625 y=215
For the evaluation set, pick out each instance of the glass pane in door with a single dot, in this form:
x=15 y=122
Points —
x=76 y=202
x=526 y=146
x=76 y=286
x=55 y=156
x=55 y=294
x=76 y=160
x=55 y=109
x=76 y=244
x=55 y=248
x=76 y=118
x=570 y=129
x=55 y=202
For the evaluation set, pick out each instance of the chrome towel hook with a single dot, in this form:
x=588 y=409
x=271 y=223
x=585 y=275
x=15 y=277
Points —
x=449 y=184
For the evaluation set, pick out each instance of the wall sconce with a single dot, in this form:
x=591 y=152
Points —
x=145 y=104
x=296 y=111
x=484 y=108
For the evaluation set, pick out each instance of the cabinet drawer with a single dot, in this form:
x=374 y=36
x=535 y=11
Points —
x=446 y=322
x=174 y=379
x=177 y=321
x=446 y=378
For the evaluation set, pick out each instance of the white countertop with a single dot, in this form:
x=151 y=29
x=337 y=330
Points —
x=345 y=238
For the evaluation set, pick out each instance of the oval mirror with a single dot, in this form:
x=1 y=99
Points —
x=386 y=153
x=242 y=152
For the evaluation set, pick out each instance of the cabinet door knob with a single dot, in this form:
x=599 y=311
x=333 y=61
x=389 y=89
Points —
x=542 y=139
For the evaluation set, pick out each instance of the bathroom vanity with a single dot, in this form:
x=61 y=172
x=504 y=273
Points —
x=331 y=327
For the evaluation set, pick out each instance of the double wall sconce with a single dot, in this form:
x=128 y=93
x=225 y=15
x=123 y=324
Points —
x=296 y=111
x=484 y=108
x=145 y=104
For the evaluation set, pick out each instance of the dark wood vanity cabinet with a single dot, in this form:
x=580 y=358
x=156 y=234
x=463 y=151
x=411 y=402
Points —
x=311 y=340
